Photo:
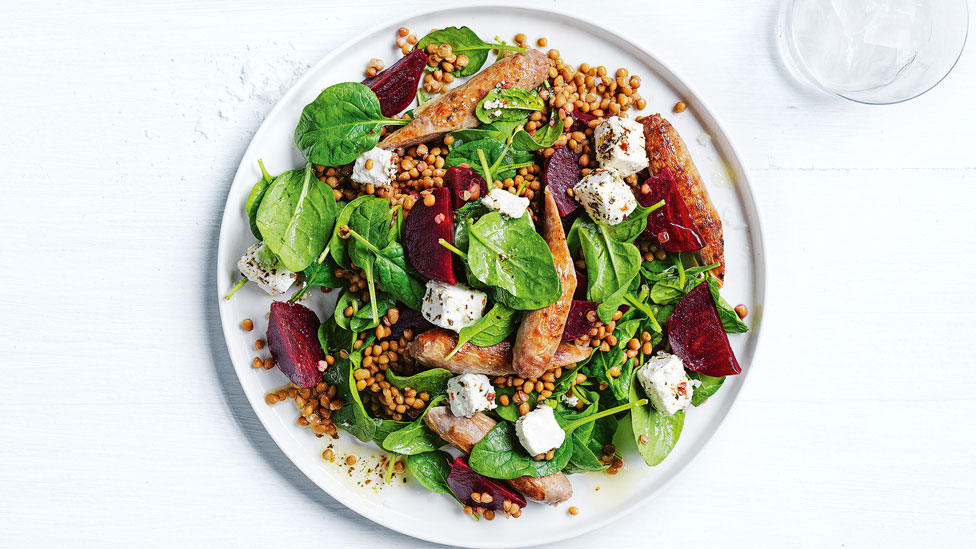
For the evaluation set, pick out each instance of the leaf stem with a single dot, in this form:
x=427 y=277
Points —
x=301 y=291
x=371 y=284
x=453 y=248
x=363 y=241
x=655 y=206
x=484 y=166
x=644 y=309
x=681 y=268
x=389 y=470
x=323 y=255
x=605 y=413
x=264 y=172
x=236 y=287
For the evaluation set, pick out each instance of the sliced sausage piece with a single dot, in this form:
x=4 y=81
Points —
x=455 y=109
x=430 y=348
x=541 y=330
x=666 y=149
x=464 y=432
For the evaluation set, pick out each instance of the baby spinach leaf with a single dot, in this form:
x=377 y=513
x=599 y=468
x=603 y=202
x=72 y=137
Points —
x=632 y=226
x=324 y=274
x=605 y=360
x=416 y=437
x=362 y=316
x=502 y=160
x=431 y=470
x=464 y=216
x=610 y=264
x=369 y=227
x=709 y=386
x=490 y=329
x=352 y=416
x=542 y=138
x=384 y=427
x=464 y=41
x=507 y=105
x=510 y=411
x=338 y=246
x=398 y=278
x=433 y=381
x=296 y=217
x=343 y=122
x=730 y=319
x=497 y=131
x=660 y=431
x=667 y=291
x=254 y=200
x=500 y=455
x=508 y=253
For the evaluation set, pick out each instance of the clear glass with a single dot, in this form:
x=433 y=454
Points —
x=873 y=51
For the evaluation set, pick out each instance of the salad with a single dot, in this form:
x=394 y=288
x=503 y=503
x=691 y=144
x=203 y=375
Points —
x=522 y=268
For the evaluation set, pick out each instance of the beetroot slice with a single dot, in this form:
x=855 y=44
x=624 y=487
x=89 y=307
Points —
x=696 y=335
x=464 y=481
x=562 y=172
x=396 y=86
x=293 y=342
x=670 y=225
x=410 y=319
x=581 y=121
x=463 y=180
x=425 y=225
x=582 y=282
x=576 y=323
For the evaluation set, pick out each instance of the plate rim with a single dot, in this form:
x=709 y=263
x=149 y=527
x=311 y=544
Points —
x=742 y=179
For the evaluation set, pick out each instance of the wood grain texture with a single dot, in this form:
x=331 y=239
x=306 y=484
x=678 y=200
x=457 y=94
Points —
x=123 y=422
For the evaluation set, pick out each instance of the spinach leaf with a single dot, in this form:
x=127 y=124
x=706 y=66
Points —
x=386 y=426
x=667 y=291
x=338 y=246
x=498 y=131
x=709 y=386
x=605 y=360
x=502 y=159
x=660 y=431
x=463 y=217
x=398 y=278
x=500 y=455
x=433 y=381
x=362 y=316
x=632 y=226
x=296 y=217
x=490 y=329
x=610 y=264
x=508 y=253
x=343 y=122
x=352 y=416
x=416 y=437
x=369 y=225
x=730 y=319
x=585 y=457
x=507 y=105
x=657 y=270
x=431 y=470
x=464 y=41
x=254 y=200
x=324 y=274
x=542 y=138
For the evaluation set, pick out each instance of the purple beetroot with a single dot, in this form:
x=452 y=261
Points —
x=562 y=172
x=396 y=86
x=464 y=482
x=465 y=184
x=581 y=121
x=577 y=325
x=582 y=283
x=671 y=225
x=294 y=344
x=424 y=227
x=696 y=335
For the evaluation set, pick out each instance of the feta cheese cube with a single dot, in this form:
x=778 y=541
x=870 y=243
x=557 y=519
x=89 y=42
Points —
x=469 y=394
x=666 y=384
x=381 y=170
x=569 y=400
x=605 y=196
x=538 y=431
x=261 y=266
x=452 y=307
x=506 y=203
x=620 y=145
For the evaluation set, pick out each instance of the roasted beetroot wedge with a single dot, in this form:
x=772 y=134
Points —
x=465 y=184
x=696 y=335
x=562 y=172
x=577 y=325
x=581 y=121
x=582 y=283
x=671 y=225
x=293 y=342
x=464 y=482
x=410 y=319
x=426 y=225
x=396 y=86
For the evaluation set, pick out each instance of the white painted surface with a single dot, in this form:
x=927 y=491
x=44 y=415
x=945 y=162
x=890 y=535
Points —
x=124 y=424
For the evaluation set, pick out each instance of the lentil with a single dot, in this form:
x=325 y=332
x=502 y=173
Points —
x=247 y=324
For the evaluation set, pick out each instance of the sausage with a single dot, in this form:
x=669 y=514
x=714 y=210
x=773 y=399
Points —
x=464 y=432
x=455 y=109
x=430 y=348
x=541 y=330
x=666 y=149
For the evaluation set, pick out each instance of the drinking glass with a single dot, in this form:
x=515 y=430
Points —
x=873 y=51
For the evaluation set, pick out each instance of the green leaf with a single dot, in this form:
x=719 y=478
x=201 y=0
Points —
x=500 y=455
x=254 y=200
x=362 y=316
x=507 y=105
x=542 y=138
x=667 y=291
x=495 y=152
x=490 y=329
x=632 y=226
x=497 y=131
x=709 y=386
x=730 y=319
x=343 y=122
x=416 y=437
x=324 y=274
x=464 y=41
x=433 y=381
x=603 y=361
x=431 y=470
x=660 y=431
x=386 y=426
x=610 y=264
x=508 y=253
x=339 y=247
x=398 y=278
x=352 y=416
x=296 y=217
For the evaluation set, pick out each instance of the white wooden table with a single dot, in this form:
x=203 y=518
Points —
x=123 y=424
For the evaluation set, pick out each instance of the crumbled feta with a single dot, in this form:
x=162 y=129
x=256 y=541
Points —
x=261 y=266
x=620 y=145
x=538 y=431
x=569 y=400
x=666 y=384
x=452 y=307
x=506 y=203
x=469 y=394
x=605 y=196
x=381 y=170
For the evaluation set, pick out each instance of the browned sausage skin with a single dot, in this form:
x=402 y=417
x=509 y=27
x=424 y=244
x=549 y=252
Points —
x=665 y=149
x=541 y=330
x=455 y=109
x=430 y=348
x=464 y=432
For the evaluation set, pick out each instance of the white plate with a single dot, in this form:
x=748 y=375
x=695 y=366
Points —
x=407 y=507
